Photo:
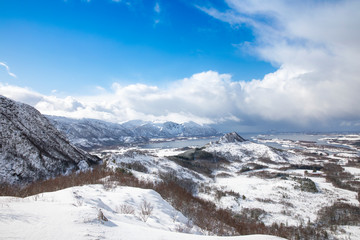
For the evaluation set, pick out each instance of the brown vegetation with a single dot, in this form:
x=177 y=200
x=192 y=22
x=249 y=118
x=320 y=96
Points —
x=202 y=213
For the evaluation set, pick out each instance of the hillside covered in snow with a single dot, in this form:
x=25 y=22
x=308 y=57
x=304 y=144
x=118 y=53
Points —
x=31 y=148
x=92 y=212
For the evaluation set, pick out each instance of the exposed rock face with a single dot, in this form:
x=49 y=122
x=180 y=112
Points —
x=31 y=148
x=231 y=138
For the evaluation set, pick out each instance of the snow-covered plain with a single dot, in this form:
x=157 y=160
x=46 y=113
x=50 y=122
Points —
x=73 y=213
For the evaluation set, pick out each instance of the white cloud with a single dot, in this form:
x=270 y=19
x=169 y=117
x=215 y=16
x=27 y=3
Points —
x=316 y=46
x=208 y=97
x=7 y=69
x=204 y=98
x=20 y=94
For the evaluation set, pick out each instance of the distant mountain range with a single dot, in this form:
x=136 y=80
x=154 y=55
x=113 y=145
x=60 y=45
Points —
x=31 y=148
x=91 y=133
x=35 y=147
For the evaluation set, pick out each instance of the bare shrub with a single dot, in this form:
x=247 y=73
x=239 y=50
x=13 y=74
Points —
x=91 y=176
x=339 y=178
x=146 y=209
x=125 y=209
x=187 y=184
x=101 y=216
x=219 y=194
x=137 y=166
x=306 y=185
x=265 y=200
x=107 y=184
x=252 y=214
x=340 y=214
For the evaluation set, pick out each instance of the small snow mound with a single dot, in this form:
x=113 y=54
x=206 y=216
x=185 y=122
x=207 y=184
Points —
x=231 y=138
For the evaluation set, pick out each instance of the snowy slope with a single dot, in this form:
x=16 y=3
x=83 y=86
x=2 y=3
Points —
x=90 y=133
x=31 y=148
x=73 y=214
x=255 y=178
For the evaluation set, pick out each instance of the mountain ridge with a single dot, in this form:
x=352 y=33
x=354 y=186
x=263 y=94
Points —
x=31 y=148
x=91 y=133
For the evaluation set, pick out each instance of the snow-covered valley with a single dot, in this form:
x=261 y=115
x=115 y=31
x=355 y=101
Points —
x=264 y=188
x=249 y=179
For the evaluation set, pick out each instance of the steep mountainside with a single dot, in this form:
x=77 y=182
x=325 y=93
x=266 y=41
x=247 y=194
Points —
x=31 y=148
x=91 y=133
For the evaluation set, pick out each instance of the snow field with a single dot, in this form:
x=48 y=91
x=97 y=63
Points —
x=73 y=214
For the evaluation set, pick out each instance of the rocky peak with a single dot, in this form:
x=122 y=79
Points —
x=31 y=148
x=231 y=138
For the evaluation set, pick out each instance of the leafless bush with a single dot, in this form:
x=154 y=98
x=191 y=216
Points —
x=340 y=178
x=265 y=200
x=91 y=176
x=108 y=184
x=252 y=214
x=219 y=194
x=146 y=209
x=306 y=185
x=171 y=176
x=125 y=209
x=340 y=214
x=137 y=166
x=101 y=216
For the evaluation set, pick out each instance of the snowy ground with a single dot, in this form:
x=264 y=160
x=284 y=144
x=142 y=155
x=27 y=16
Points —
x=233 y=185
x=279 y=197
x=73 y=213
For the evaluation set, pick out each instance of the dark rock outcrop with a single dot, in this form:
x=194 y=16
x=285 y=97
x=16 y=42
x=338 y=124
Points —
x=31 y=148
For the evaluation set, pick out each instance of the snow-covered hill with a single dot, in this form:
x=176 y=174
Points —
x=31 y=148
x=73 y=213
x=91 y=133
x=271 y=185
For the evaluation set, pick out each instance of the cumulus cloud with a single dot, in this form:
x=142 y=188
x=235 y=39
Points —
x=7 y=69
x=206 y=97
x=315 y=45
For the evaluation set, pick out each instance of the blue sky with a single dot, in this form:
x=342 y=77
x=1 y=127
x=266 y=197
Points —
x=247 y=65
x=54 y=44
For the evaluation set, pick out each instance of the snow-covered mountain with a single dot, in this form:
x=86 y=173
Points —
x=31 y=148
x=231 y=137
x=91 y=133
x=171 y=129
